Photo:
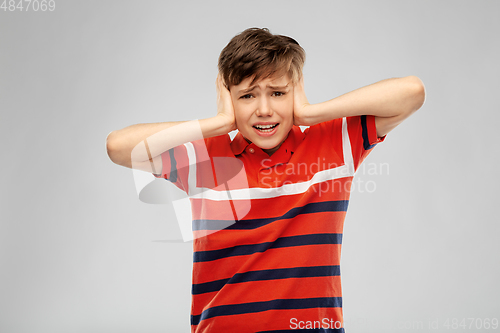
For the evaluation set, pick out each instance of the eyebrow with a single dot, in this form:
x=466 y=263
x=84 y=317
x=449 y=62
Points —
x=268 y=86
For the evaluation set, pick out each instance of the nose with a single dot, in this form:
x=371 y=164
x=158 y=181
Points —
x=264 y=108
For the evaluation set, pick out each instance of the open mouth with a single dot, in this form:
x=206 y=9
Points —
x=265 y=128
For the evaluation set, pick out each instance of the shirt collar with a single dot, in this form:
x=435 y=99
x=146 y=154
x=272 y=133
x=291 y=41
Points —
x=295 y=136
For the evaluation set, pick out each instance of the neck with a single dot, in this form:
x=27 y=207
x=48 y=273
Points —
x=269 y=151
x=272 y=150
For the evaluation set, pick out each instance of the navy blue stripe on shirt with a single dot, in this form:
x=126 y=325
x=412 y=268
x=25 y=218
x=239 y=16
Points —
x=173 y=166
x=276 y=304
x=243 y=250
x=267 y=274
x=313 y=207
x=364 y=132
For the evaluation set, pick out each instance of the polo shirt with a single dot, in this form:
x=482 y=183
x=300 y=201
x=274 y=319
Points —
x=268 y=229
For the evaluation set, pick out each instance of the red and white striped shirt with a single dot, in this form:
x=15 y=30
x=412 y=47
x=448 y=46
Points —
x=268 y=229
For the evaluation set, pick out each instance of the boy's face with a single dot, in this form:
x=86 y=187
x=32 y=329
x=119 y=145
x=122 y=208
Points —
x=264 y=112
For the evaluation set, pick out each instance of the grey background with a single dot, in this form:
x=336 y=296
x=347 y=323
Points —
x=79 y=252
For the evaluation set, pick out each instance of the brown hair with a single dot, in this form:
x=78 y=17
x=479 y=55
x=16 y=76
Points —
x=258 y=52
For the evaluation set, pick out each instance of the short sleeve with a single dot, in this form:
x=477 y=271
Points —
x=363 y=137
x=195 y=157
x=175 y=166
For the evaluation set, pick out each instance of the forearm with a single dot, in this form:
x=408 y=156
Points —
x=395 y=97
x=142 y=142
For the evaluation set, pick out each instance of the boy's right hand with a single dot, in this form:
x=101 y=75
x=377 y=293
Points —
x=225 y=107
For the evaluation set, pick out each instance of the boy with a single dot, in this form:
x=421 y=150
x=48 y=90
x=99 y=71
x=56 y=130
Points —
x=273 y=266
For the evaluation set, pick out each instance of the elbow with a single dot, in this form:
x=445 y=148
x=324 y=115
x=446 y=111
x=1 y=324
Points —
x=117 y=150
x=112 y=147
x=417 y=89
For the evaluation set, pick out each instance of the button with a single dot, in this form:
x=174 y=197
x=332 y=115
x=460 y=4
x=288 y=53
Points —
x=251 y=150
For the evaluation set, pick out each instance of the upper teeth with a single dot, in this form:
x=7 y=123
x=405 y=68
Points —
x=264 y=126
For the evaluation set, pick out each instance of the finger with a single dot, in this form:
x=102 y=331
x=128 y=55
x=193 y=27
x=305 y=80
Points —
x=222 y=82
x=218 y=84
x=217 y=88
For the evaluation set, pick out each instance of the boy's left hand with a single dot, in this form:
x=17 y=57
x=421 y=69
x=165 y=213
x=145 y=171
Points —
x=300 y=104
